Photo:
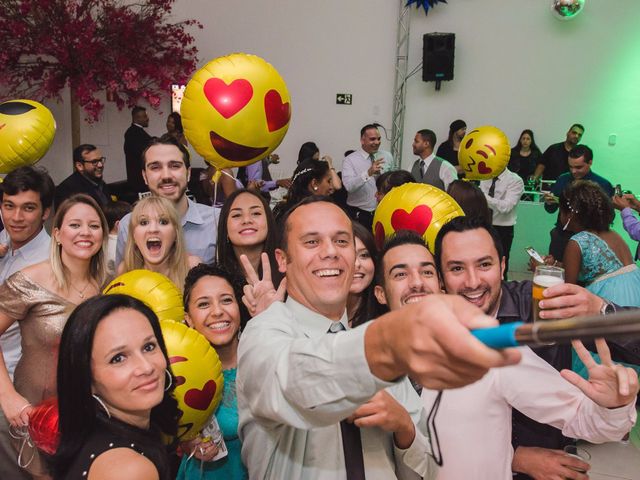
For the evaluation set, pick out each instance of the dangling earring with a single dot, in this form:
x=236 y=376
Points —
x=104 y=407
x=167 y=387
x=566 y=225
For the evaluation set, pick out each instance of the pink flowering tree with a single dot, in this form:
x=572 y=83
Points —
x=128 y=50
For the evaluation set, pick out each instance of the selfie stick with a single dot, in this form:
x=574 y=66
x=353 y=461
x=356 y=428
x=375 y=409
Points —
x=620 y=324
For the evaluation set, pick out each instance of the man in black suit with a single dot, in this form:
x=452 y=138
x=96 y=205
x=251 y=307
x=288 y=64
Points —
x=88 y=165
x=136 y=140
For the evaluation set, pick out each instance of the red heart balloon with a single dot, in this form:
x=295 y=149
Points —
x=228 y=99
x=278 y=113
x=201 y=399
x=483 y=169
x=379 y=235
x=418 y=220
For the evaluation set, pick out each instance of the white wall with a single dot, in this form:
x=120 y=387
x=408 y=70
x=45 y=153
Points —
x=516 y=67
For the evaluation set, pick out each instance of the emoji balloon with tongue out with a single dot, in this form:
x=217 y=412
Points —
x=236 y=110
x=484 y=153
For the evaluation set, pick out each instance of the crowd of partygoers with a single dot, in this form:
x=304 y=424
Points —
x=342 y=358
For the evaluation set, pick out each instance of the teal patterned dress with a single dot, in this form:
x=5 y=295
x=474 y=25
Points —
x=229 y=467
x=603 y=274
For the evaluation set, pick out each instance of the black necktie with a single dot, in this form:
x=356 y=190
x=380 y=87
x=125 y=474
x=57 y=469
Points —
x=422 y=164
x=492 y=188
x=351 y=441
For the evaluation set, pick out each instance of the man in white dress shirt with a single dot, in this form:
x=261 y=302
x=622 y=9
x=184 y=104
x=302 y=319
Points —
x=503 y=195
x=296 y=383
x=473 y=423
x=429 y=168
x=359 y=172
x=26 y=202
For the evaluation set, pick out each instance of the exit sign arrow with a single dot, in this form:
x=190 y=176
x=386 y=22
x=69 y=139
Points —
x=343 y=98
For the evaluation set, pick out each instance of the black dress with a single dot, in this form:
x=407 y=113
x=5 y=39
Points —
x=523 y=166
x=111 y=433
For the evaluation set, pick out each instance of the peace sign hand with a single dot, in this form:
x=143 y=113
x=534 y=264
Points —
x=610 y=385
x=259 y=294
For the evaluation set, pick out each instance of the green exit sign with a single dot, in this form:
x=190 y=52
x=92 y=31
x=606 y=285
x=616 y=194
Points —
x=343 y=98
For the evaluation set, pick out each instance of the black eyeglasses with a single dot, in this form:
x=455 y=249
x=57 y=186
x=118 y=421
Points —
x=101 y=160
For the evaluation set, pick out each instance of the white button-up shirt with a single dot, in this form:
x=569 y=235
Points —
x=507 y=193
x=361 y=187
x=295 y=383
x=474 y=422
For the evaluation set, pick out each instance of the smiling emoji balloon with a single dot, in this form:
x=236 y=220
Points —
x=27 y=129
x=484 y=153
x=236 y=110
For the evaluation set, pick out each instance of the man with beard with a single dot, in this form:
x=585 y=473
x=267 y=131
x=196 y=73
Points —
x=166 y=169
x=88 y=164
x=428 y=168
x=473 y=423
x=554 y=160
x=469 y=256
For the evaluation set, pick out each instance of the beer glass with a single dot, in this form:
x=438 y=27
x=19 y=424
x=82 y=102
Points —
x=544 y=277
x=580 y=454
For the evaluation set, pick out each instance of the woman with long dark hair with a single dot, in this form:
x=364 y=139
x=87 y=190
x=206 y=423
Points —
x=114 y=393
x=525 y=155
x=175 y=129
x=362 y=305
x=246 y=227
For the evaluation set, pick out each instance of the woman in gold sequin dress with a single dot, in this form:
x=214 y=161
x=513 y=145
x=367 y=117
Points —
x=41 y=297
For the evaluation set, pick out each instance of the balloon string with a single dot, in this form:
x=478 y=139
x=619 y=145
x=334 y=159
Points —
x=216 y=217
x=22 y=434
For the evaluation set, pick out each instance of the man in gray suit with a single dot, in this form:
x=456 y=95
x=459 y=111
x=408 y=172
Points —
x=428 y=168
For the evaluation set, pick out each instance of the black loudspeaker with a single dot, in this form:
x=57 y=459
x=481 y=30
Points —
x=437 y=57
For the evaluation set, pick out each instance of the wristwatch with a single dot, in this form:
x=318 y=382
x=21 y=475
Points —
x=607 y=308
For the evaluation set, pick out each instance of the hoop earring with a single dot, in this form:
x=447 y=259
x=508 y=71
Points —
x=104 y=407
x=167 y=387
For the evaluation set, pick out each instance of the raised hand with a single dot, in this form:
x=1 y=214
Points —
x=610 y=385
x=259 y=293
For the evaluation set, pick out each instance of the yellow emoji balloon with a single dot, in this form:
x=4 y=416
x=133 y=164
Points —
x=484 y=153
x=154 y=289
x=414 y=206
x=27 y=129
x=236 y=110
x=198 y=378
